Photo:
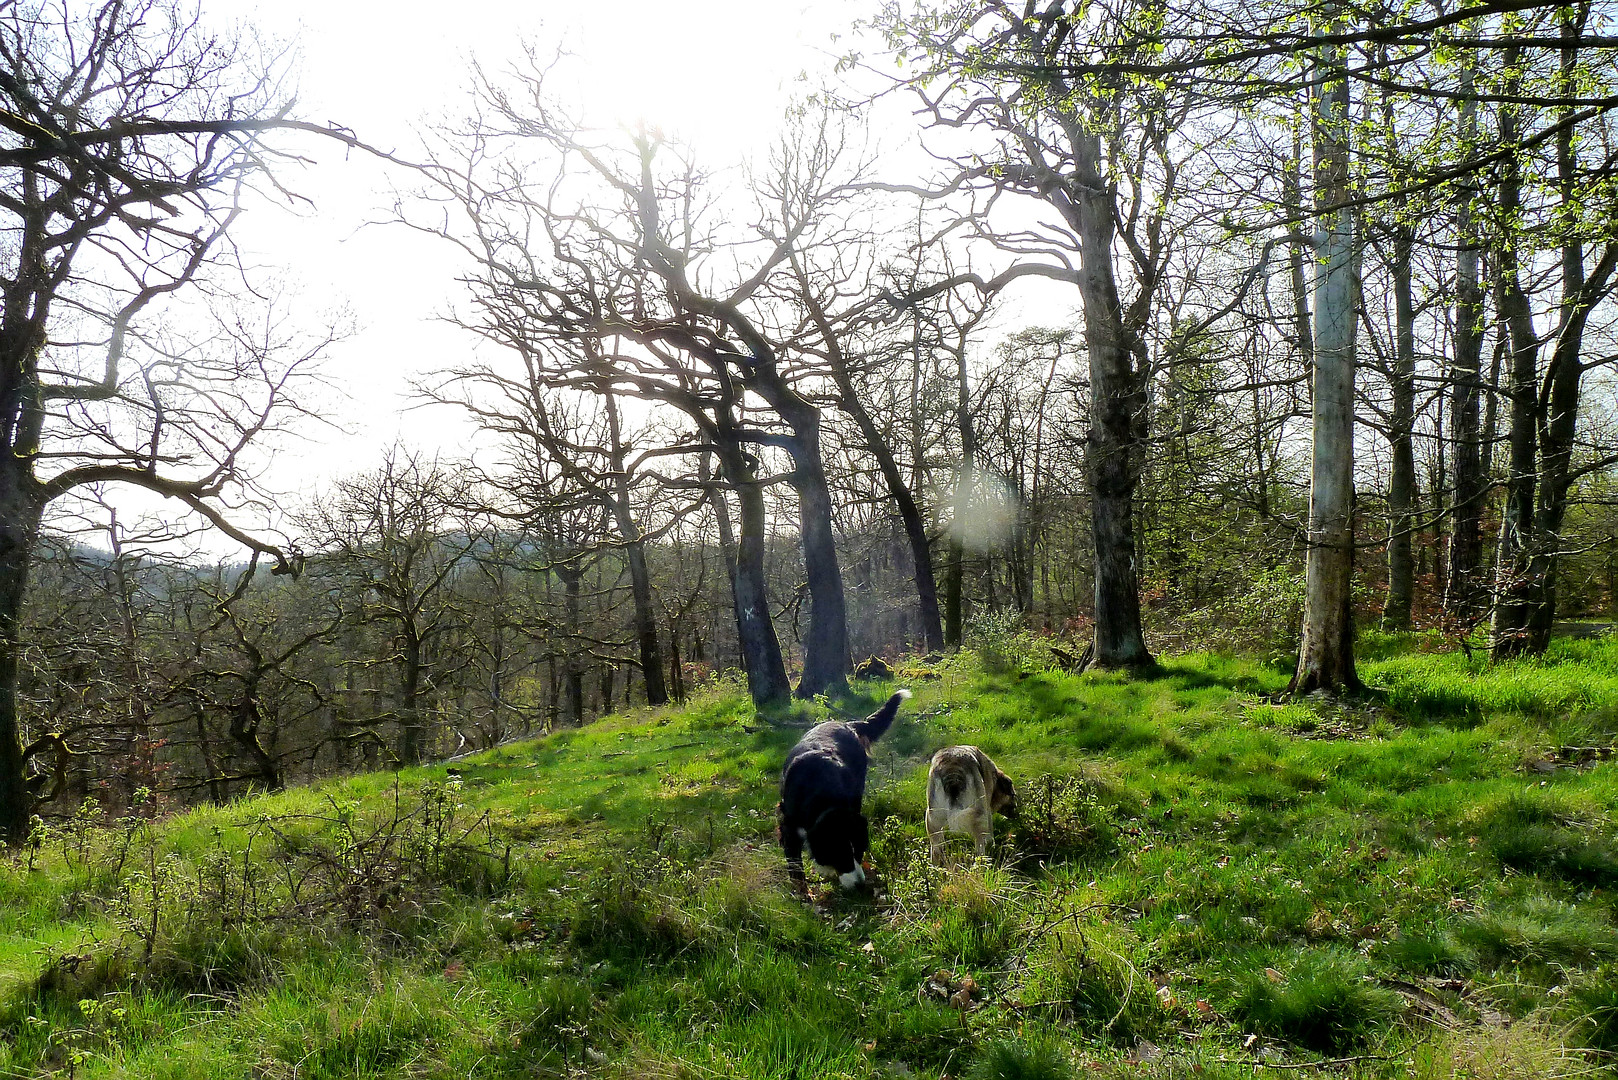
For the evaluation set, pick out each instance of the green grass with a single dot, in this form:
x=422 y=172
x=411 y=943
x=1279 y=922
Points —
x=1198 y=876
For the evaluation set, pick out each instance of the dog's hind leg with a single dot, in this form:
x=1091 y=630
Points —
x=936 y=823
x=983 y=831
x=791 y=838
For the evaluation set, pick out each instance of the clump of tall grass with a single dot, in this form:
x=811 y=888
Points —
x=1536 y=833
x=1432 y=953
x=1538 y=931
x=1021 y=1059
x=1593 y=1001
x=1324 y=1001
x=628 y=910
x=976 y=917
x=742 y=892
x=558 y=1015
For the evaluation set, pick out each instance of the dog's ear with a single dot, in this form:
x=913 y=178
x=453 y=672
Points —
x=1006 y=794
x=859 y=835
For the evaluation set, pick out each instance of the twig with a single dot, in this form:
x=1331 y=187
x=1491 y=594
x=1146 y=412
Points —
x=1324 y=1063
x=652 y=749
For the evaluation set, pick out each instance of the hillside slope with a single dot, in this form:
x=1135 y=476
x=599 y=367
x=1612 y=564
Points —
x=1201 y=883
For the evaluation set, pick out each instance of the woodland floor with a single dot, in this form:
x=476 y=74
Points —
x=1202 y=882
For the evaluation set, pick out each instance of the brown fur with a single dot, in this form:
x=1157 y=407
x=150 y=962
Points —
x=964 y=791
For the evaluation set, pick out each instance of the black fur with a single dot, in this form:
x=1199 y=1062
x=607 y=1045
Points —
x=822 y=787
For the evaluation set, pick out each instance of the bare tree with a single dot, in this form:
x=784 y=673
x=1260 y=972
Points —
x=639 y=290
x=595 y=456
x=398 y=535
x=128 y=136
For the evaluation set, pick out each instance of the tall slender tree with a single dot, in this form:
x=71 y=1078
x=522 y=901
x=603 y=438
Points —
x=1326 y=656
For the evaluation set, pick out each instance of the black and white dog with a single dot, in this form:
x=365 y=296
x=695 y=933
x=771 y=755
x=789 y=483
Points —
x=822 y=787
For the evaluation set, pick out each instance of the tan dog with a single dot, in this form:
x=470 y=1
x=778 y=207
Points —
x=964 y=790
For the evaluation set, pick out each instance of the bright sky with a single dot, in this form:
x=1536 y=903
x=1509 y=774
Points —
x=716 y=73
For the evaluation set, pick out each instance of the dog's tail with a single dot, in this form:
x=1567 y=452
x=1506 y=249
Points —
x=874 y=726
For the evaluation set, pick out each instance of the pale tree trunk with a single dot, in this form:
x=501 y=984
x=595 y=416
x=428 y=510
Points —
x=1326 y=655
x=1302 y=322
x=1463 y=599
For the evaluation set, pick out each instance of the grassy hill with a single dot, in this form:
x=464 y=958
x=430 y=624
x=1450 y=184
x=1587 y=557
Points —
x=1201 y=883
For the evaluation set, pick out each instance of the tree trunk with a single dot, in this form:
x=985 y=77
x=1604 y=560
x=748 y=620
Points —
x=1118 y=421
x=1463 y=599
x=1326 y=655
x=1559 y=409
x=1491 y=410
x=965 y=476
x=755 y=633
x=1515 y=591
x=1302 y=323
x=676 y=675
x=245 y=720
x=909 y=514
x=1402 y=479
x=409 y=702
x=20 y=512
x=210 y=770
x=640 y=581
x=572 y=670
x=826 y=658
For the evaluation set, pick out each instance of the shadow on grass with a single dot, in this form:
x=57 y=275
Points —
x=1196 y=675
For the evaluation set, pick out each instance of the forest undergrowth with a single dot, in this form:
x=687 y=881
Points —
x=1204 y=880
